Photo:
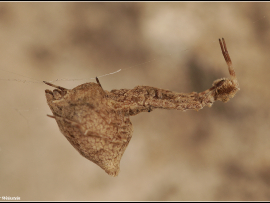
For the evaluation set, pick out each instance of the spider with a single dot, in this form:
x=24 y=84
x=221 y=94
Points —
x=96 y=122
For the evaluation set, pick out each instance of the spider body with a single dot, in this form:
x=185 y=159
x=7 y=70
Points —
x=96 y=122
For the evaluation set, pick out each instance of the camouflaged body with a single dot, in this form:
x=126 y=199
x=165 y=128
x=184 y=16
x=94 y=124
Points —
x=98 y=131
x=96 y=122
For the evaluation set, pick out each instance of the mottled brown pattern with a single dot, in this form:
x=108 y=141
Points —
x=96 y=122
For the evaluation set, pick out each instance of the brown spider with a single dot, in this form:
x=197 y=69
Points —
x=96 y=122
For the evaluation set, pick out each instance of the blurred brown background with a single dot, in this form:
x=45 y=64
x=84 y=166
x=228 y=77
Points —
x=218 y=153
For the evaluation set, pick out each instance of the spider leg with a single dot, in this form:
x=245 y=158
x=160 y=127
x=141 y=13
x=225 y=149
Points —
x=100 y=85
x=64 y=119
x=98 y=82
x=227 y=57
x=58 y=87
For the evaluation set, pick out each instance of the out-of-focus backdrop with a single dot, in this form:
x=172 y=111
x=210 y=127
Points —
x=218 y=153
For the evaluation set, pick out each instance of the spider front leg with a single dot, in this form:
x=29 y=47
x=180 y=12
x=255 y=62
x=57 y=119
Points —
x=227 y=57
x=57 y=93
x=225 y=88
x=58 y=87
